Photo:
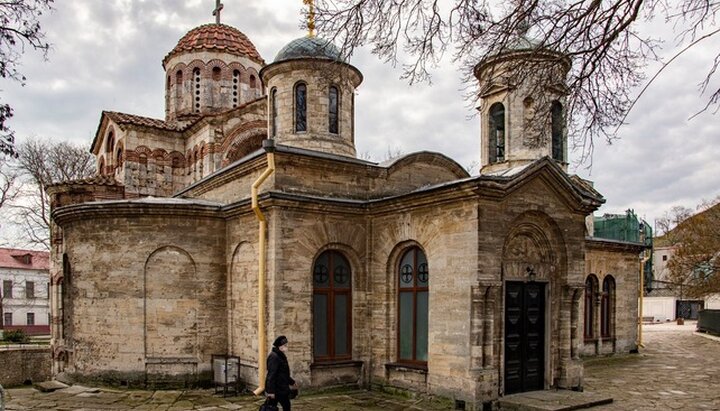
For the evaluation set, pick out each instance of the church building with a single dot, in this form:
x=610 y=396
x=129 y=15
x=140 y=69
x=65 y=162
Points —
x=245 y=214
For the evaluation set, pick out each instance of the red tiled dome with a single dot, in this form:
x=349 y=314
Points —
x=216 y=37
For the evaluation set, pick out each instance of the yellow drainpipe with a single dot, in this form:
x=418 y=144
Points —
x=640 y=308
x=262 y=256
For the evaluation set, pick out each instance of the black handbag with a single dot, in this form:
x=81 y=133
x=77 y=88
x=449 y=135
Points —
x=294 y=393
x=266 y=406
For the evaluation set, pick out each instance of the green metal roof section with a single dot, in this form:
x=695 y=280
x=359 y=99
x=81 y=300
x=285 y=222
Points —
x=627 y=227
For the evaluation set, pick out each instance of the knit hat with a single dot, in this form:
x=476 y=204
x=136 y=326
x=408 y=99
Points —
x=280 y=341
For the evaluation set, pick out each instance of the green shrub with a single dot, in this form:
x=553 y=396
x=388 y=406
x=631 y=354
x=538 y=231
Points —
x=15 y=336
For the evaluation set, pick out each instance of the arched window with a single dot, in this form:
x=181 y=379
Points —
x=333 y=109
x=607 y=307
x=300 y=107
x=413 y=288
x=236 y=87
x=196 y=79
x=496 y=132
x=216 y=73
x=332 y=307
x=119 y=157
x=178 y=89
x=142 y=159
x=110 y=145
x=591 y=286
x=273 y=112
x=252 y=82
x=101 y=165
x=556 y=113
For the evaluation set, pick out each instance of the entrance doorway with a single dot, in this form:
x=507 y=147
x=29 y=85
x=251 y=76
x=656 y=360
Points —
x=524 y=337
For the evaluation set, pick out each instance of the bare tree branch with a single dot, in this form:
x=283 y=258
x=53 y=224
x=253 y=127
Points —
x=40 y=164
x=608 y=54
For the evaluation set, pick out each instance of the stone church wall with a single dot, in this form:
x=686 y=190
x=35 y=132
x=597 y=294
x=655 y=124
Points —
x=149 y=297
x=623 y=264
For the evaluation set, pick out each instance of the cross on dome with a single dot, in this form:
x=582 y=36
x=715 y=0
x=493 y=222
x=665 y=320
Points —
x=218 y=8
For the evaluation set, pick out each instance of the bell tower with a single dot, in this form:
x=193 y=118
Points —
x=522 y=105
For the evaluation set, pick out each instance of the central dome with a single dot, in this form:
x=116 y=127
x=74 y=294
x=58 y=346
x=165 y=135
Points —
x=216 y=37
x=309 y=47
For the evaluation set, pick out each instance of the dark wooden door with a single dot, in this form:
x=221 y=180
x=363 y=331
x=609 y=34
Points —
x=524 y=337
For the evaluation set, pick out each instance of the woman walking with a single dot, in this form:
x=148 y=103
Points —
x=279 y=384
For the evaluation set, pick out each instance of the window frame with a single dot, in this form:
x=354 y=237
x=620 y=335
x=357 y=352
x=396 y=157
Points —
x=607 y=308
x=331 y=292
x=30 y=319
x=334 y=118
x=7 y=315
x=296 y=110
x=415 y=289
x=29 y=289
x=273 y=112
x=556 y=130
x=7 y=289
x=494 y=143
x=591 y=284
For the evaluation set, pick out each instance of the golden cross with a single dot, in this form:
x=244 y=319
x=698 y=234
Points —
x=311 y=17
x=218 y=7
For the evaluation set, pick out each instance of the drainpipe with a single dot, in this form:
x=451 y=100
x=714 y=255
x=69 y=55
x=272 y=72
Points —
x=269 y=146
x=640 y=308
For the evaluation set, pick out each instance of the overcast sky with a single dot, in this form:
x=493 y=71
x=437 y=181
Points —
x=106 y=55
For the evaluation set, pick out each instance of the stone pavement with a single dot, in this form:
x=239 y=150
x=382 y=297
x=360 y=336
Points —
x=676 y=370
x=81 y=398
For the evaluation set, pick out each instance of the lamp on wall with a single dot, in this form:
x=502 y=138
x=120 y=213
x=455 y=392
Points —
x=531 y=275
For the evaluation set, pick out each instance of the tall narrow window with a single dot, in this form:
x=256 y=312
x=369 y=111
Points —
x=30 y=319
x=253 y=85
x=119 y=156
x=101 y=165
x=496 y=131
x=178 y=89
x=216 y=73
x=591 y=285
x=413 y=288
x=110 y=144
x=29 y=289
x=556 y=113
x=7 y=319
x=607 y=307
x=236 y=87
x=300 y=107
x=333 y=110
x=196 y=80
x=273 y=112
x=7 y=289
x=332 y=307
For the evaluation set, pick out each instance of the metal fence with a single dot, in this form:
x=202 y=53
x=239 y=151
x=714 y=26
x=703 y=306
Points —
x=709 y=321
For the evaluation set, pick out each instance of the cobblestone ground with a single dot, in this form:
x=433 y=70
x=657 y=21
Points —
x=91 y=399
x=676 y=370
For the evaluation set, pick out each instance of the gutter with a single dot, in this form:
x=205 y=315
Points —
x=269 y=146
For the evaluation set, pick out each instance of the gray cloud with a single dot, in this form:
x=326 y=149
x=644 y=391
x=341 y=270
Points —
x=107 y=56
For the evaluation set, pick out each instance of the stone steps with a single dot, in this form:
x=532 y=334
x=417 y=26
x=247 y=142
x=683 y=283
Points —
x=552 y=400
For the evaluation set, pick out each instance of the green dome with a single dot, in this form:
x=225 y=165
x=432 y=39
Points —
x=309 y=47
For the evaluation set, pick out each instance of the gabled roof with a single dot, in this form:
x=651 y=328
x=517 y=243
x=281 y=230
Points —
x=14 y=258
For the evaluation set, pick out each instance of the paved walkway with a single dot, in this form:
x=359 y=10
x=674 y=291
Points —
x=676 y=370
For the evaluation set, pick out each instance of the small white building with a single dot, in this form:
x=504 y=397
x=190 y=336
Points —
x=24 y=290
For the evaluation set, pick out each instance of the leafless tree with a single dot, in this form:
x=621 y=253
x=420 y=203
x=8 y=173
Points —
x=40 y=164
x=9 y=186
x=695 y=240
x=607 y=52
x=19 y=29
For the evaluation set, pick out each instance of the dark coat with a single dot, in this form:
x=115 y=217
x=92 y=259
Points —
x=278 y=380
